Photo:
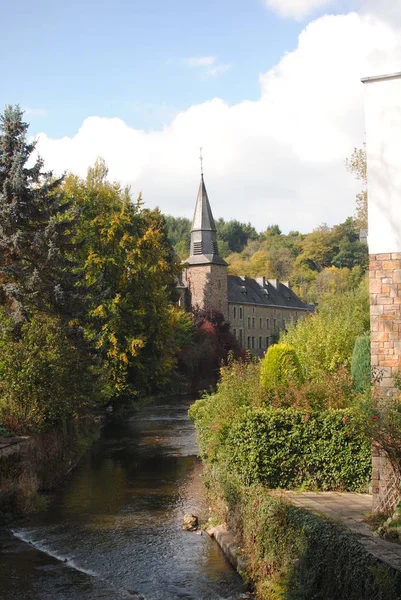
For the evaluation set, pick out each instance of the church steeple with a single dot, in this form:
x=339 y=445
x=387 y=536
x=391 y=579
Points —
x=204 y=247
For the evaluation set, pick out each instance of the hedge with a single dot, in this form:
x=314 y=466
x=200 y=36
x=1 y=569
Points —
x=287 y=448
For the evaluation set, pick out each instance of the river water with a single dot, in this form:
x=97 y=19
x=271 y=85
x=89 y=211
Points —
x=114 y=529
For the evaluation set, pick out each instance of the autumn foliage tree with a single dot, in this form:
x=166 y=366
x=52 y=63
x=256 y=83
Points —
x=129 y=271
x=212 y=342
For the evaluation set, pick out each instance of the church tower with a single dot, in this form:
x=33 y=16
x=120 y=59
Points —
x=206 y=271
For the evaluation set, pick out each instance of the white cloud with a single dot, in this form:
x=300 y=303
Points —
x=200 y=61
x=297 y=9
x=279 y=159
x=35 y=112
x=386 y=9
x=216 y=70
x=209 y=65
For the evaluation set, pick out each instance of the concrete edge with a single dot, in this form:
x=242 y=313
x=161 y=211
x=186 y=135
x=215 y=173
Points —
x=228 y=544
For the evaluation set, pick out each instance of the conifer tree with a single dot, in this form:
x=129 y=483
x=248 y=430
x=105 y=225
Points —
x=35 y=225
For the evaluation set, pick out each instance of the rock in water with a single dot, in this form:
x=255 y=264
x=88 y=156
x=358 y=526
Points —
x=190 y=522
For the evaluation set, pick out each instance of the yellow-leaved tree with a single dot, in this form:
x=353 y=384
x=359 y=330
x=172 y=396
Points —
x=129 y=270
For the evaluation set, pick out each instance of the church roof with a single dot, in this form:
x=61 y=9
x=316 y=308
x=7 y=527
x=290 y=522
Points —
x=204 y=248
x=203 y=217
x=244 y=290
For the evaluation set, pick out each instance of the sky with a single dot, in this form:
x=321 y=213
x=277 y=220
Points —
x=270 y=89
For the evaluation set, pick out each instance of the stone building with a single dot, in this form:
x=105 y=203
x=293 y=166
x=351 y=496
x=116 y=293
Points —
x=258 y=309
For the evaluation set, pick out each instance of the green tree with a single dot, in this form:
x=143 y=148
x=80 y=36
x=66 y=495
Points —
x=233 y=235
x=46 y=374
x=35 y=229
x=179 y=234
x=325 y=340
x=280 y=262
x=280 y=367
x=333 y=281
x=318 y=249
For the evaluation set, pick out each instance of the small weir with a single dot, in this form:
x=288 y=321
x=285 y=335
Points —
x=114 y=529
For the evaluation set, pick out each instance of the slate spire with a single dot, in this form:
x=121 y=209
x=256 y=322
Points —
x=204 y=247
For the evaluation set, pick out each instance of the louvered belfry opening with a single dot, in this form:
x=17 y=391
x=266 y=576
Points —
x=197 y=248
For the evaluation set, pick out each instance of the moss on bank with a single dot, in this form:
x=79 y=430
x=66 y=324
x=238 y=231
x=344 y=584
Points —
x=292 y=554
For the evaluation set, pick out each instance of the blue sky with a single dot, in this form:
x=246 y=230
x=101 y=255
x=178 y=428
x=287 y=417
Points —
x=127 y=58
x=269 y=88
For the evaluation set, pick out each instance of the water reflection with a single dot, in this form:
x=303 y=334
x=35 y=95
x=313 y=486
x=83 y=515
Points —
x=118 y=523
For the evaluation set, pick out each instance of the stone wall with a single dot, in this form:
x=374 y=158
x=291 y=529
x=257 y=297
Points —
x=385 y=316
x=207 y=286
x=385 y=325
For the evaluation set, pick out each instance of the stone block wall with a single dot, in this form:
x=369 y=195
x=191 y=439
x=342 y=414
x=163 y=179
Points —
x=207 y=285
x=385 y=326
x=385 y=316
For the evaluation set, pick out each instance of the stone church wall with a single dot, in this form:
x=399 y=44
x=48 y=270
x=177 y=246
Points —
x=207 y=285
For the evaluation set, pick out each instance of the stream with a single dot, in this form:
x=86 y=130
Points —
x=113 y=530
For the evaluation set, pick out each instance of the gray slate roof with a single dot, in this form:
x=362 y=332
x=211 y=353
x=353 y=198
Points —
x=204 y=247
x=244 y=290
x=203 y=218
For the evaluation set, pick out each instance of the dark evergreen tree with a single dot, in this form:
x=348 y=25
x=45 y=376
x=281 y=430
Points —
x=35 y=229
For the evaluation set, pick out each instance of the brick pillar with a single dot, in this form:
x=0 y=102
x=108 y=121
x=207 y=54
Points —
x=385 y=326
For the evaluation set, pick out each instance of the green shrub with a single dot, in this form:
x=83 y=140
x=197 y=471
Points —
x=333 y=390
x=287 y=448
x=325 y=340
x=214 y=414
x=310 y=435
x=279 y=366
x=361 y=364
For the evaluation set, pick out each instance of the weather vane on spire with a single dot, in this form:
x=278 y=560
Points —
x=201 y=162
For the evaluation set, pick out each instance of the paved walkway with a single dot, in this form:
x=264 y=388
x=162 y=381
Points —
x=349 y=509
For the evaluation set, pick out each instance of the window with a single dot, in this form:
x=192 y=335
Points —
x=235 y=333
x=235 y=312
x=240 y=337
x=253 y=343
x=260 y=343
x=283 y=323
x=261 y=323
x=249 y=322
x=253 y=322
x=249 y=342
x=267 y=342
x=275 y=323
x=240 y=312
x=219 y=284
x=267 y=323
